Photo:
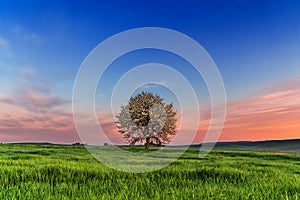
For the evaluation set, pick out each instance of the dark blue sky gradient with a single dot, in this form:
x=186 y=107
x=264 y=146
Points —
x=254 y=43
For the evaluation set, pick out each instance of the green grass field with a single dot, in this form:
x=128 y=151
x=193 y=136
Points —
x=69 y=172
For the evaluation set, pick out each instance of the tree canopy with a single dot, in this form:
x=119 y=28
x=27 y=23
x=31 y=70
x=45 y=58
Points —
x=147 y=118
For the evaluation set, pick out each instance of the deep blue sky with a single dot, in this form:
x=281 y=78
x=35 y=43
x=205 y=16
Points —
x=254 y=43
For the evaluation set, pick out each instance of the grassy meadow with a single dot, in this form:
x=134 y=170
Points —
x=70 y=172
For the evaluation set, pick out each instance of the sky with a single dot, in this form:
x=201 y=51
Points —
x=255 y=45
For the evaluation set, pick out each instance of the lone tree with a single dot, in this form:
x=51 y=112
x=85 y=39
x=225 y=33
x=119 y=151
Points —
x=147 y=118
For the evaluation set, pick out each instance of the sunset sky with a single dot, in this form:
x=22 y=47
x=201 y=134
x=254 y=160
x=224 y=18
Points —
x=255 y=45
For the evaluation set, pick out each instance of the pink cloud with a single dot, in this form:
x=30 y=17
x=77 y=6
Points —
x=48 y=127
x=272 y=113
x=33 y=100
x=32 y=114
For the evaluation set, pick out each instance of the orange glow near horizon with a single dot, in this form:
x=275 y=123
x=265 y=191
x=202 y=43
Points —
x=271 y=114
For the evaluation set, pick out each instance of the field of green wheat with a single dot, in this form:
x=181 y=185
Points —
x=69 y=172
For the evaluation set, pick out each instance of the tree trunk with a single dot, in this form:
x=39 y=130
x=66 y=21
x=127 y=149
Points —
x=147 y=143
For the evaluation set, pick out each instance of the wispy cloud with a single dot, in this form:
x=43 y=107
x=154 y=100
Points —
x=53 y=126
x=33 y=100
x=4 y=47
x=101 y=95
x=271 y=113
x=3 y=43
x=26 y=36
x=32 y=113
